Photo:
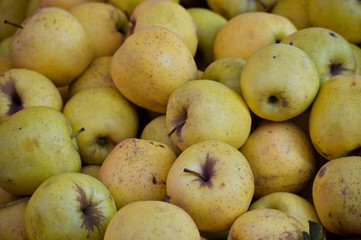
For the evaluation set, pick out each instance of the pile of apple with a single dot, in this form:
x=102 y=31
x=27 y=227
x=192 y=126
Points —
x=180 y=119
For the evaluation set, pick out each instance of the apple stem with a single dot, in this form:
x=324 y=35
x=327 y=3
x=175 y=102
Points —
x=167 y=199
x=263 y=4
x=127 y=15
x=89 y=204
x=13 y=24
x=176 y=127
x=77 y=132
x=195 y=173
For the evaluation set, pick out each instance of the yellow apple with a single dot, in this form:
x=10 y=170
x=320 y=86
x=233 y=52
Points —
x=137 y=169
x=336 y=195
x=246 y=33
x=286 y=151
x=165 y=62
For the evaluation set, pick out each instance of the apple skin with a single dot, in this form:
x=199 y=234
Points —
x=357 y=52
x=6 y=197
x=6 y=64
x=336 y=195
x=157 y=220
x=289 y=203
x=266 y=223
x=226 y=191
x=287 y=151
x=22 y=88
x=107 y=117
x=137 y=169
x=275 y=93
x=64 y=4
x=80 y=202
x=14 y=11
x=207 y=110
x=335 y=59
x=246 y=33
x=36 y=144
x=335 y=116
x=91 y=170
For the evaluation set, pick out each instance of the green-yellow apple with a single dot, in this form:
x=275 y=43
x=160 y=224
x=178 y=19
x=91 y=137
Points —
x=153 y=220
x=168 y=14
x=213 y=182
x=227 y=71
x=97 y=74
x=105 y=24
x=69 y=206
x=331 y=53
x=208 y=24
x=107 y=117
x=343 y=17
x=150 y=65
x=279 y=82
x=357 y=52
x=36 y=143
x=246 y=33
x=22 y=88
x=6 y=197
x=6 y=64
x=266 y=223
x=137 y=169
x=287 y=152
x=289 y=203
x=91 y=170
x=336 y=195
x=232 y=8
x=5 y=46
x=335 y=117
x=52 y=42
x=12 y=224
x=296 y=11
x=65 y=4
x=156 y=129
x=13 y=11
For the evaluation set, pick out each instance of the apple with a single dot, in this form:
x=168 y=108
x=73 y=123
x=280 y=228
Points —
x=167 y=14
x=108 y=118
x=279 y=82
x=97 y=74
x=150 y=219
x=137 y=169
x=343 y=17
x=105 y=24
x=336 y=195
x=207 y=110
x=12 y=224
x=81 y=203
x=287 y=152
x=37 y=143
x=290 y=203
x=54 y=43
x=23 y=88
x=246 y=33
x=165 y=62
x=331 y=53
x=213 y=182
x=266 y=223
x=335 y=116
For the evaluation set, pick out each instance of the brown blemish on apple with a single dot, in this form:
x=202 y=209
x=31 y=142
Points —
x=322 y=172
x=9 y=89
x=91 y=215
x=154 y=180
x=289 y=236
x=332 y=34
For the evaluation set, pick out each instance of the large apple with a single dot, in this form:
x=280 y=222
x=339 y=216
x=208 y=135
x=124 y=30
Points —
x=331 y=53
x=36 y=143
x=207 y=110
x=69 y=206
x=153 y=220
x=279 y=82
x=246 y=33
x=286 y=151
x=107 y=117
x=150 y=65
x=52 y=42
x=137 y=169
x=22 y=88
x=213 y=182
x=335 y=117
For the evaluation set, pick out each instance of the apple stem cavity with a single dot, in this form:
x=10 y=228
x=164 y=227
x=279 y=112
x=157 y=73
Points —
x=13 y=24
x=272 y=99
x=196 y=173
x=179 y=126
x=77 y=133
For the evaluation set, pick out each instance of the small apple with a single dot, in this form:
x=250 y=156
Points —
x=153 y=220
x=213 y=182
x=69 y=206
